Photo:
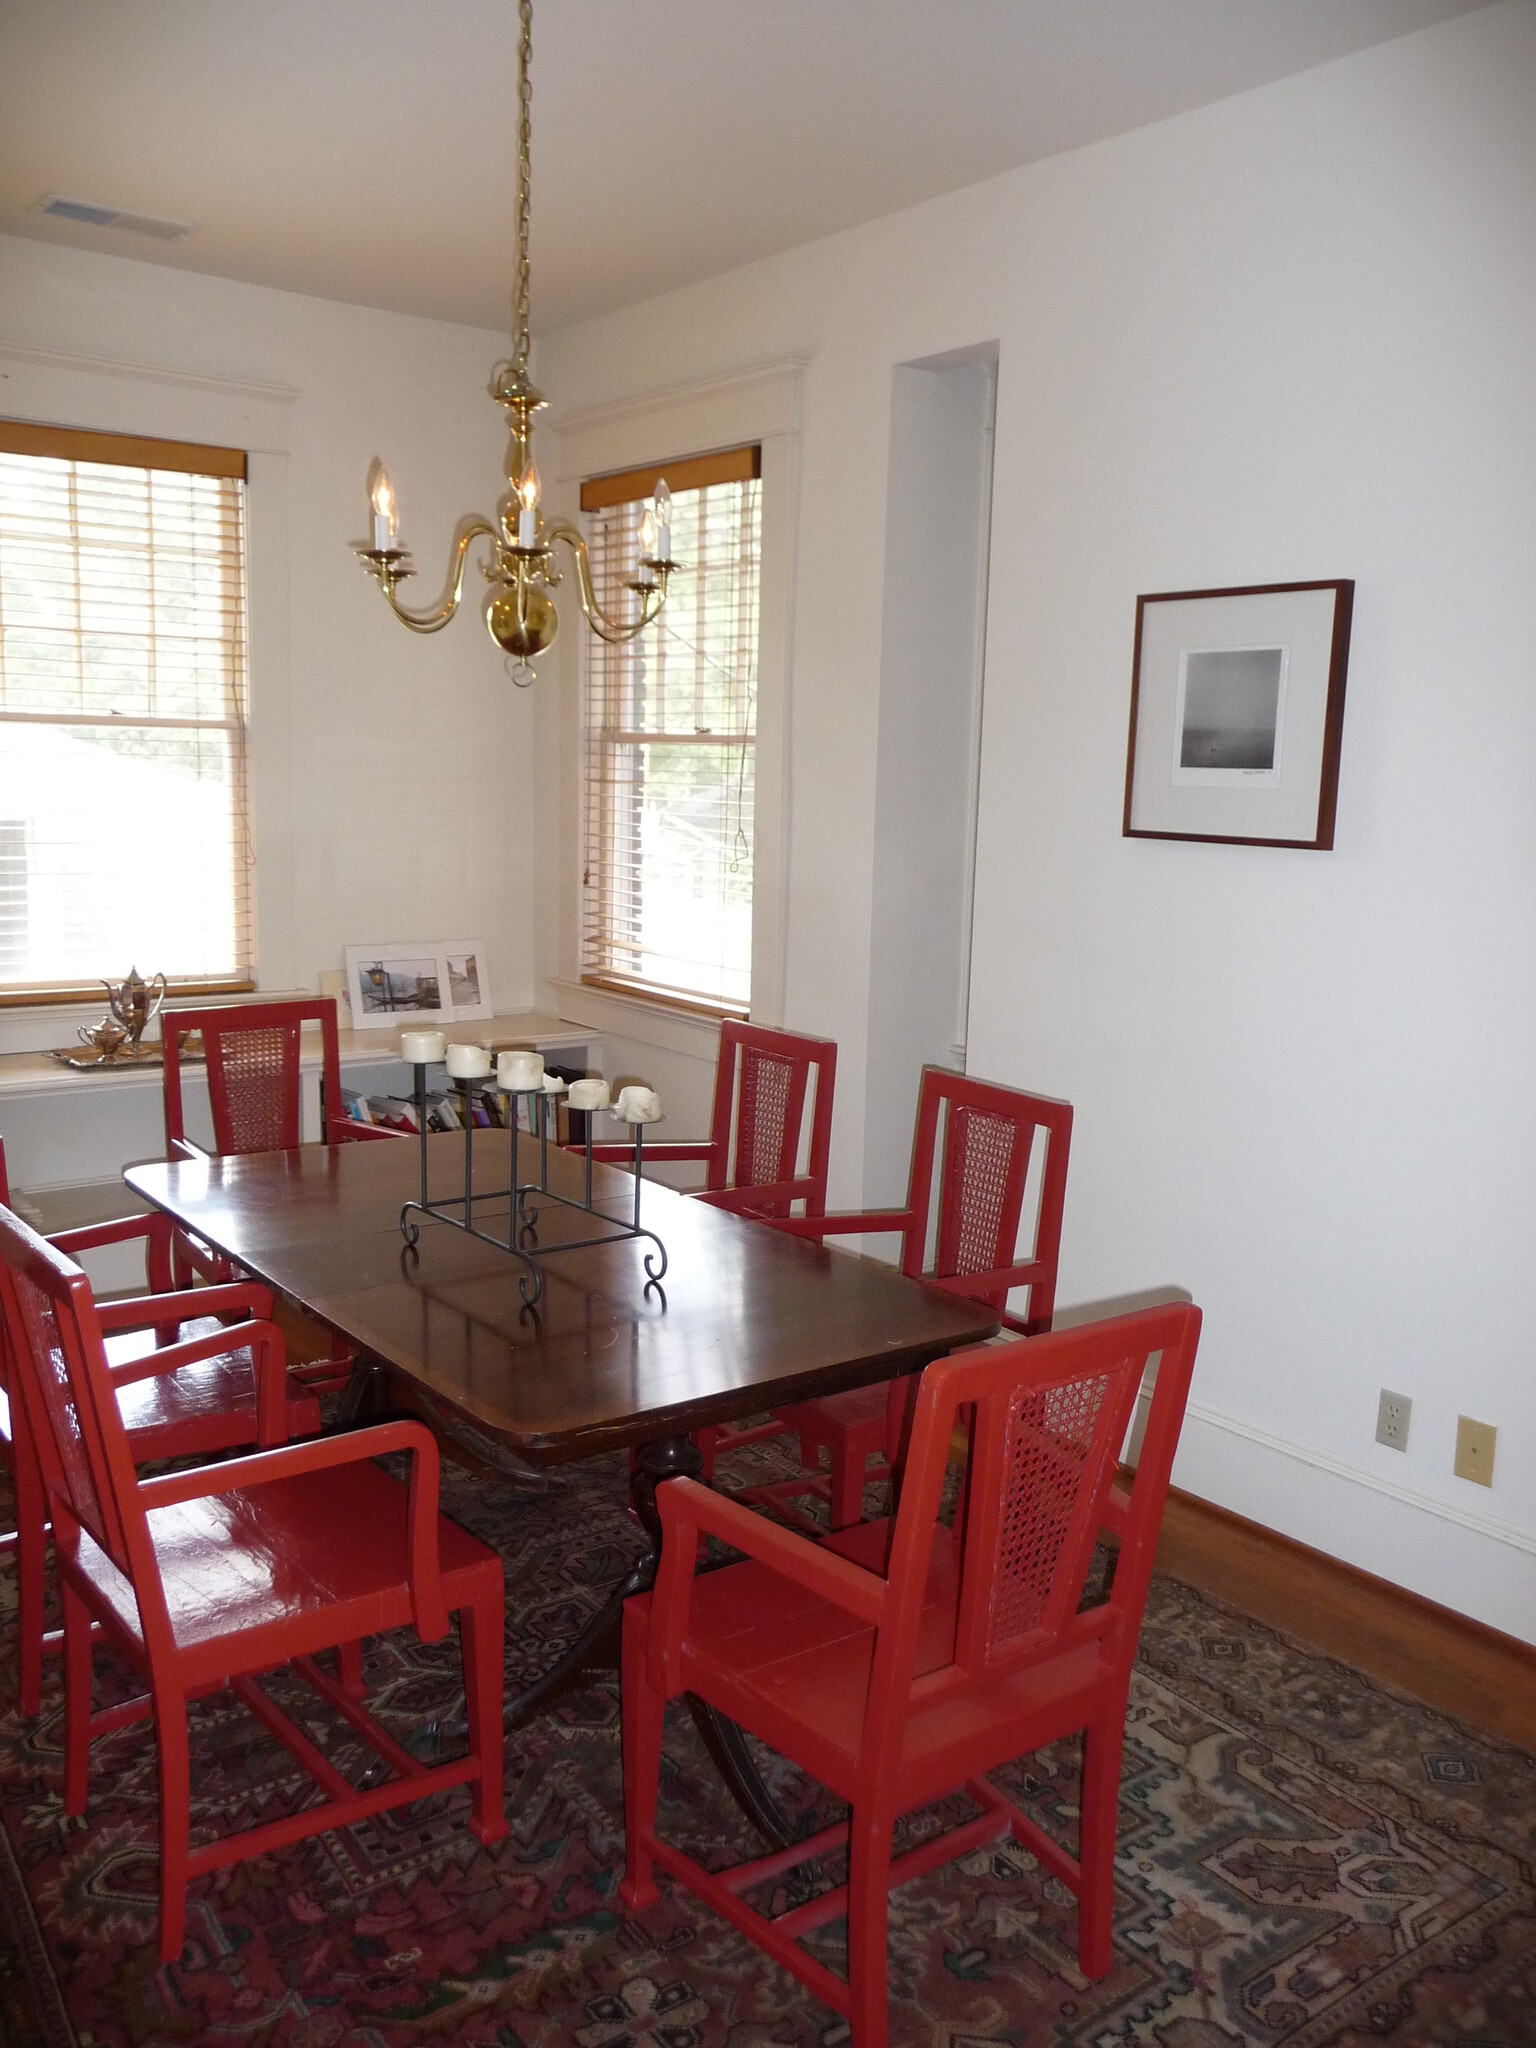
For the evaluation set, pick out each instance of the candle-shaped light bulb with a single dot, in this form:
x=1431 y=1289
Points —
x=647 y=546
x=662 y=503
x=386 y=513
x=528 y=518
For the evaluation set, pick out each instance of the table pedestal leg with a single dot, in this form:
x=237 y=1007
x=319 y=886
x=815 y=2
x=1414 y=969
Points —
x=599 y=1645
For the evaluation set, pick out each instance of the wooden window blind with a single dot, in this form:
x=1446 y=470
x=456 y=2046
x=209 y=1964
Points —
x=124 y=835
x=670 y=726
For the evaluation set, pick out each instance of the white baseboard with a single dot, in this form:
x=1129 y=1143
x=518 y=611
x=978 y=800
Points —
x=1477 y=1564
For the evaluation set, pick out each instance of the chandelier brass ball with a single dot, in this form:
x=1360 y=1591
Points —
x=522 y=623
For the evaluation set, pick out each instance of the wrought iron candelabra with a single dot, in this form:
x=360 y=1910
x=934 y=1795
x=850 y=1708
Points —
x=522 y=1197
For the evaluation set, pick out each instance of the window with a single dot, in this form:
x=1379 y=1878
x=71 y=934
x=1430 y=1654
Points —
x=123 y=839
x=670 y=729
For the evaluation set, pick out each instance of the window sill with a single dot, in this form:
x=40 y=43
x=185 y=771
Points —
x=649 y=1019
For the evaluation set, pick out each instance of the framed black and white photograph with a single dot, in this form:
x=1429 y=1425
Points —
x=1237 y=712
x=403 y=983
x=469 y=977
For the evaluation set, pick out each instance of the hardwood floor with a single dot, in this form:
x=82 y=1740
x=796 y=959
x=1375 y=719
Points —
x=1455 y=1664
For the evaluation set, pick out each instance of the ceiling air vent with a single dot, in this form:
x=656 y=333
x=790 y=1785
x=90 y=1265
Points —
x=95 y=216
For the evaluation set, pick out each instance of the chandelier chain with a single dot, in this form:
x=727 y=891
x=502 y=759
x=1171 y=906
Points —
x=519 y=611
x=524 y=164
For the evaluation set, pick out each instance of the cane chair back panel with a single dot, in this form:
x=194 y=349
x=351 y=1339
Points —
x=768 y=1117
x=986 y=1162
x=1054 y=1454
x=988 y=1135
x=253 y=1078
x=763 y=1078
x=252 y=1051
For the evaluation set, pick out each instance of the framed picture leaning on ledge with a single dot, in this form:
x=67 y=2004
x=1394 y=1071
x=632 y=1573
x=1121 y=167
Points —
x=1237 y=713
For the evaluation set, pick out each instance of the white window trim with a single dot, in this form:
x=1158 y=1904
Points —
x=762 y=406
x=102 y=396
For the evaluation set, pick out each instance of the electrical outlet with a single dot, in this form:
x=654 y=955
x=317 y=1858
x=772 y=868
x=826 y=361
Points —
x=1392 y=1416
x=1474 y=1450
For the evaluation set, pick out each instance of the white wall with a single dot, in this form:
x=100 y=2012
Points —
x=926 y=749
x=392 y=784
x=1285 y=337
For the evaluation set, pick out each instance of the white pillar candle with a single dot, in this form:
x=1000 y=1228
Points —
x=468 y=1062
x=422 y=1048
x=589 y=1094
x=638 y=1106
x=552 y=1084
x=519 y=1071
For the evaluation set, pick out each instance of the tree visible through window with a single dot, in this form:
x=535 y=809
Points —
x=671 y=721
x=122 y=711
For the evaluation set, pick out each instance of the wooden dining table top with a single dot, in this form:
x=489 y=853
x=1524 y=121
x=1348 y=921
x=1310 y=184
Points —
x=746 y=1319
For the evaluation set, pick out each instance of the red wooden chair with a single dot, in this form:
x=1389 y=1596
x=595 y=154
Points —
x=989 y=1135
x=252 y=1050
x=252 y=1054
x=188 y=1384
x=900 y=1662
x=206 y=1577
x=750 y=1158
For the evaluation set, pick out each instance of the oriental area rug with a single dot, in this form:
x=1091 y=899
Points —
x=1305 y=1857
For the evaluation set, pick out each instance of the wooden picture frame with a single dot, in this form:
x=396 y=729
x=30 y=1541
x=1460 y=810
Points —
x=1237 y=714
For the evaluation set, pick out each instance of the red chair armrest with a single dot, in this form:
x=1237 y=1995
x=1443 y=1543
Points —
x=996 y=1281
x=618 y=1154
x=269 y=1363
x=847 y=1223
x=146 y=1311
x=760 y=1200
x=687 y=1509
x=325 y=1453
x=121 y=1230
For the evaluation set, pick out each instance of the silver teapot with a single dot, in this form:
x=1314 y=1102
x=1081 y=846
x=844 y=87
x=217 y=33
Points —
x=134 y=1002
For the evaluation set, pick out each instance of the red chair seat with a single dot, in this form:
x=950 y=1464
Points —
x=203 y=1408
x=264 y=1568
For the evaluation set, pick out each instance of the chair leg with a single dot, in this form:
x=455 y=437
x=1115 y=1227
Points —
x=481 y=1627
x=31 y=1576
x=175 y=1818
x=349 y=1668
x=847 y=1485
x=77 y=1698
x=1102 y=1745
x=869 y=1878
x=641 y=1713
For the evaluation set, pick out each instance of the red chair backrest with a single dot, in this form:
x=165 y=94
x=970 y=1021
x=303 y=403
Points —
x=253 y=1071
x=1050 y=1415
x=57 y=1357
x=988 y=1141
x=767 y=1111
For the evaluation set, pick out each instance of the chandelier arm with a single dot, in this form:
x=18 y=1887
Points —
x=469 y=531
x=614 y=631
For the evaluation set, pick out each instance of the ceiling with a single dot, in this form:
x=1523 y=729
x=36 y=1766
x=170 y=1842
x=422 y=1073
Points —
x=363 y=149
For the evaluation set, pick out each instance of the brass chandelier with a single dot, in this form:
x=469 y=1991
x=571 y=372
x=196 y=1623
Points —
x=519 y=567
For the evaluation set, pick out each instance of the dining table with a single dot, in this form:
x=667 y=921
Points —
x=745 y=1318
